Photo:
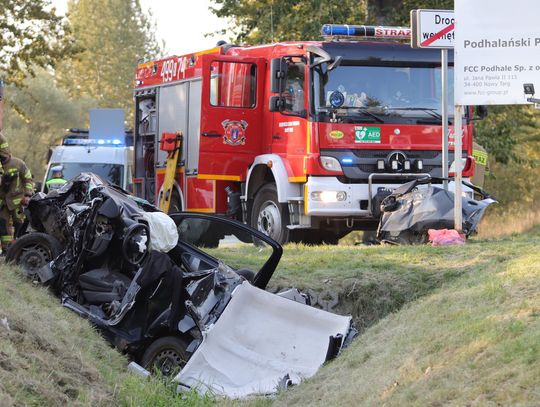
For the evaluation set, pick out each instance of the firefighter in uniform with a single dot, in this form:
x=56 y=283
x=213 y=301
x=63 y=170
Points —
x=16 y=188
x=57 y=179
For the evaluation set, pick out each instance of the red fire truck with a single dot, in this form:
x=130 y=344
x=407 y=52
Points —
x=299 y=139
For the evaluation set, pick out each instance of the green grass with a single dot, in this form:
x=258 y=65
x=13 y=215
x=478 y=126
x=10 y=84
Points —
x=51 y=357
x=440 y=326
x=475 y=340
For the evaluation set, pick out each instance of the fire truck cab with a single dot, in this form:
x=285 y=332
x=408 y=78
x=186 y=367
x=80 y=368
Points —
x=301 y=140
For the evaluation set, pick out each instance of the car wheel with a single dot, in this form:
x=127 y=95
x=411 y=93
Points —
x=269 y=216
x=166 y=356
x=33 y=251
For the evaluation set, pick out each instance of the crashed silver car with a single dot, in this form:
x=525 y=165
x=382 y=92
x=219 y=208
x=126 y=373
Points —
x=153 y=286
x=417 y=206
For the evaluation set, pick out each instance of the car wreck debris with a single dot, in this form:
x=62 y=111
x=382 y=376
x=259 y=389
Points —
x=148 y=281
x=417 y=206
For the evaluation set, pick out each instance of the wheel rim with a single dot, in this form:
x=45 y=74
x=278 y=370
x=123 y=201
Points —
x=33 y=257
x=168 y=362
x=269 y=220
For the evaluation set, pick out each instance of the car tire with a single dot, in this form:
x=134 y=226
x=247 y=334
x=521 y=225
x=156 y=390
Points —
x=269 y=216
x=166 y=355
x=33 y=251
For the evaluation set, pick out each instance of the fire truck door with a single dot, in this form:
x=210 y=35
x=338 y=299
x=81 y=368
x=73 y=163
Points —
x=231 y=116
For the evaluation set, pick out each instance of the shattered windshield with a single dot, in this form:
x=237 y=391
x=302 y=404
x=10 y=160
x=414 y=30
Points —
x=111 y=172
x=392 y=94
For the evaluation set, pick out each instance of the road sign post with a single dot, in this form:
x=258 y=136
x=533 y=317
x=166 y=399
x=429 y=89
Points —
x=435 y=29
x=444 y=114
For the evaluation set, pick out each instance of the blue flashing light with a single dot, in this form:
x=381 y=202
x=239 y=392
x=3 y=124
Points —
x=346 y=30
x=346 y=160
x=337 y=99
x=92 y=142
x=342 y=29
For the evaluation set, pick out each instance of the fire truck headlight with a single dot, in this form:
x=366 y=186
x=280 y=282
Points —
x=329 y=196
x=380 y=165
x=419 y=165
x=394 y=165
x=407 y=165
x=330 y=164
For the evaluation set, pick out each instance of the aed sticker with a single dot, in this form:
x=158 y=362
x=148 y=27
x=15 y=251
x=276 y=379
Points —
x=336 y=134
x=365 y=134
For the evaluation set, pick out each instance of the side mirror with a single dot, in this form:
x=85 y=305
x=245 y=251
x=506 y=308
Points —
x=481 y=112
x=278 y=73
x=276 y=104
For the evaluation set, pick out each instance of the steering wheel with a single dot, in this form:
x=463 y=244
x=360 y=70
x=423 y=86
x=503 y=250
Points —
x=136 y=243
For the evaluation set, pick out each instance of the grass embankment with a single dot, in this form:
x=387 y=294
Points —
x=452 y=325
x=48 y=355
x=473 y=341
x=51 y=357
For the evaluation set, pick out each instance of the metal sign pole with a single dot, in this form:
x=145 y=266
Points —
x=444 y=111
x=458 y=131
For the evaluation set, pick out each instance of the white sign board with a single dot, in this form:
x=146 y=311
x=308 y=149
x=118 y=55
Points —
x=433 y=29
x=497 y=50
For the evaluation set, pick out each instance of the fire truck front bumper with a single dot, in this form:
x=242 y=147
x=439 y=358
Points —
x=327 y=196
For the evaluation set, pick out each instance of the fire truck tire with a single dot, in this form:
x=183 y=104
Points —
x=269 y=216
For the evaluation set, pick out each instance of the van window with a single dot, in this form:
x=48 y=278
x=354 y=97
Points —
x=233 y=84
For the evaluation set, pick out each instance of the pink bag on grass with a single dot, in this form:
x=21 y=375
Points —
x=445 y=237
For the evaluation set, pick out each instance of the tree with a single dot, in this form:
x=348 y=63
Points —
x=37 y=116
x=31 y=35
x=263 y=21
x=397 y=12
x=114 y=35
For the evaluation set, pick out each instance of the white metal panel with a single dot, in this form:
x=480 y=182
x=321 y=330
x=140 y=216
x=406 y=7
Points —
x=173 y=115
x=194 y=132
x=260 y=338
x=496 y=51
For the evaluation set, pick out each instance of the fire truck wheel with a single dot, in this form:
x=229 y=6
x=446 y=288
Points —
x=269 y=216
x=176 y=203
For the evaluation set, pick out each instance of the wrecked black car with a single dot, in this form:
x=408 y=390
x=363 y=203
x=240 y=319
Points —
x=417 y=206
x=158 y=293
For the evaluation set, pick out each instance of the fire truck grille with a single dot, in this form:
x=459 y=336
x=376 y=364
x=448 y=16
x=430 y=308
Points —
x=358 y=165
x=370 y=168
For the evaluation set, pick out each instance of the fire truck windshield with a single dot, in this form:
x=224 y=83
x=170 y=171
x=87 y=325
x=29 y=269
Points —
x=389 y=94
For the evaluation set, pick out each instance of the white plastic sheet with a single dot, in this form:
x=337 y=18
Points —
x=260 y=338
x=163 y=232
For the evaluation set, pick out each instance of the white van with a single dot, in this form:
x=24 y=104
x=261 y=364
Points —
x=109 y=159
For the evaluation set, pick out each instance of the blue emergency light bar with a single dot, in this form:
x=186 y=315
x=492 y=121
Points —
x=346 y=30
x=91 y=142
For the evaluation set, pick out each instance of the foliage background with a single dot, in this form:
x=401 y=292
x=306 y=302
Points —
x=57 y=68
